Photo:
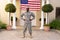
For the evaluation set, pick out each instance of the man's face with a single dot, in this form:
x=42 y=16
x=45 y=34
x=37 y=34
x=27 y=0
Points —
x=27 y=9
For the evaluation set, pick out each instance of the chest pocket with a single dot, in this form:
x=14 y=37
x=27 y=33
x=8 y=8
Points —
x=27 y=15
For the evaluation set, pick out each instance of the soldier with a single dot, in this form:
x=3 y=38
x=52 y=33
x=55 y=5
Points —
x=27 y=21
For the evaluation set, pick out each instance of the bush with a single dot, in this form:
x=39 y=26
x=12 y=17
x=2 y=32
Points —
x=2 y=25
x=10 y=8
x=47 y=8
x=55 y=24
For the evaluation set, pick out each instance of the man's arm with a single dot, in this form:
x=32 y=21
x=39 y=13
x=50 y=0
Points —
x=33 y=16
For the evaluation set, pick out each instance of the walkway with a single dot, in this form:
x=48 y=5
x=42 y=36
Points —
x=37 y=35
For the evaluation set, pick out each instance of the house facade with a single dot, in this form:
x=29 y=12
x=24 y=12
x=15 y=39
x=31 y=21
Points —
x=4 y=16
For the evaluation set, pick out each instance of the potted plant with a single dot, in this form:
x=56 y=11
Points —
x=11 y=9
x=47 y=8
x=46 y=27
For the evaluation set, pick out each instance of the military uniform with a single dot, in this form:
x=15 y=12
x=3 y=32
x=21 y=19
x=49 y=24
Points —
x=27 y=22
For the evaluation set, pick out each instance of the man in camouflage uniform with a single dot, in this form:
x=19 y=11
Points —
x=27 y=21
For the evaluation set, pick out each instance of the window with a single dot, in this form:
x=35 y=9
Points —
x=58 y=12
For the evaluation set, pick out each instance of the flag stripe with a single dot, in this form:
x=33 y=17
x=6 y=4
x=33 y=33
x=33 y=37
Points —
x=35 y=9
x=33 y=0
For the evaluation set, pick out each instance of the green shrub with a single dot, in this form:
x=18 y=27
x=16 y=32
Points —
x=55 y=24
x=2 y=25
x=10 y=8
x=47 y=8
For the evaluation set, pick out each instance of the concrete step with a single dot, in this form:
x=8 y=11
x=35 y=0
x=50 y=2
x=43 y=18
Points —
x=34 y=28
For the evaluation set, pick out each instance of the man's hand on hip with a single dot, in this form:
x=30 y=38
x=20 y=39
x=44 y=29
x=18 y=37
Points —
x=30 y=19
x=24 y=19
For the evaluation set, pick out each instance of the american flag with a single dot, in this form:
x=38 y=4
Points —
x=34 y=5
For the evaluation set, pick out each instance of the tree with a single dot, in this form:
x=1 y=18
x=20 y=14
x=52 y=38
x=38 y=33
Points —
x=11 y=9
x=47 y=8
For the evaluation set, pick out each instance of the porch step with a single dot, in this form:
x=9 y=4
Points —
x=34 y=28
